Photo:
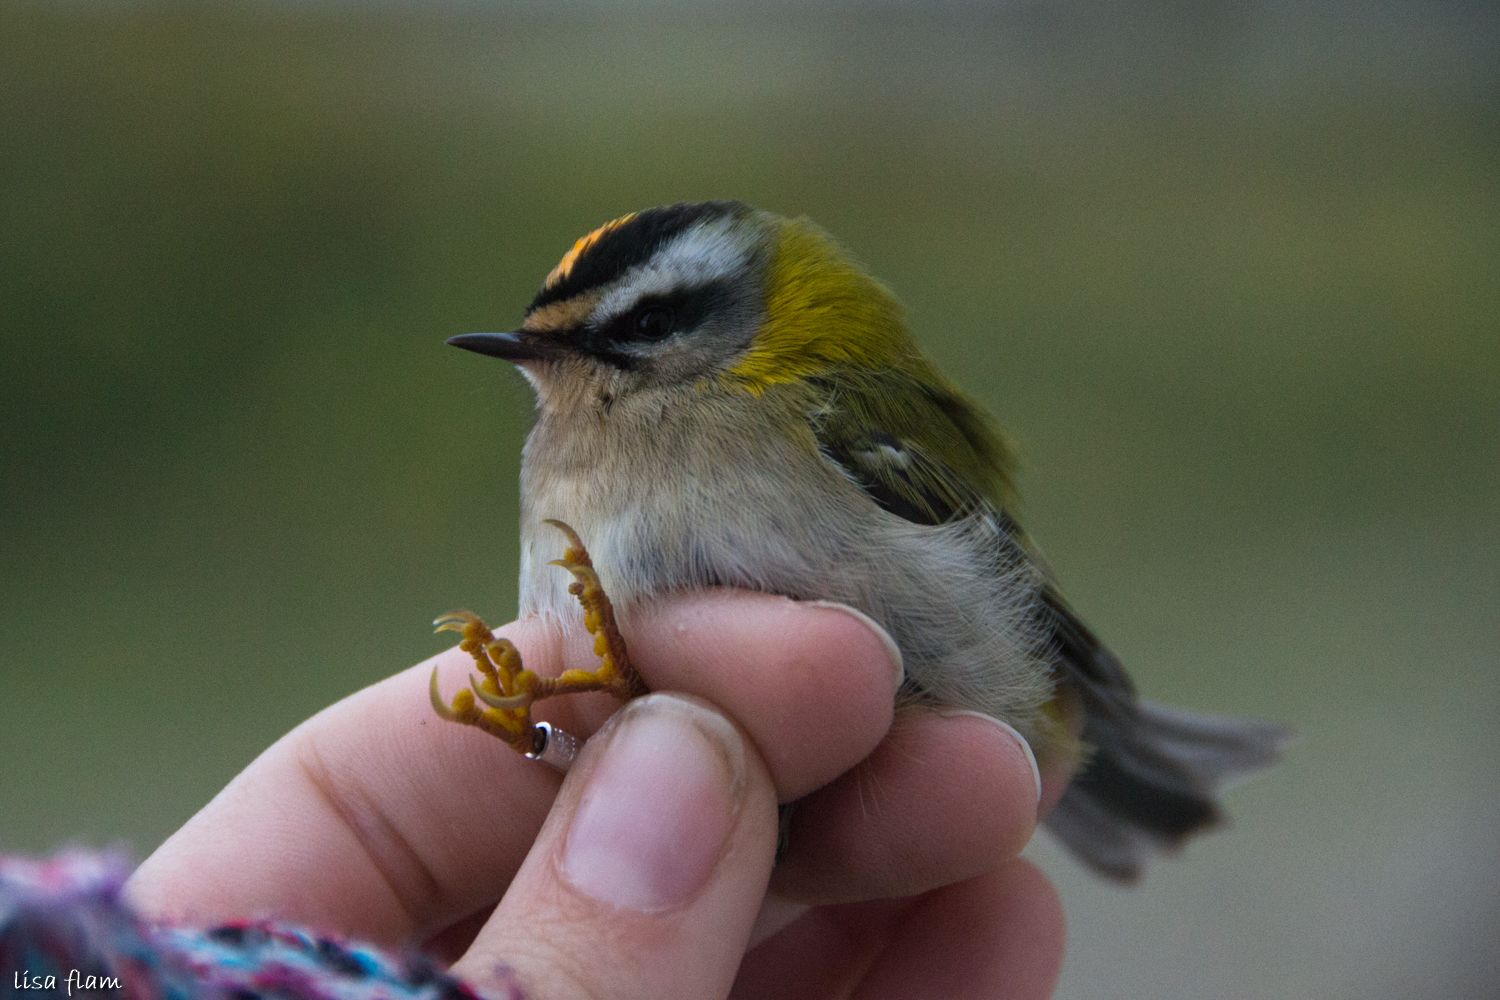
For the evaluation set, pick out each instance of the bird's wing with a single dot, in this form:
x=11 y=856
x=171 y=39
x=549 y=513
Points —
x=1148 y=776
x=921 y=451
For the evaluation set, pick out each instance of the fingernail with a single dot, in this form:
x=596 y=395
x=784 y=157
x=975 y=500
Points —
x=893 y=650
x=652 y=822
x=1036 y=772
x=776 y=915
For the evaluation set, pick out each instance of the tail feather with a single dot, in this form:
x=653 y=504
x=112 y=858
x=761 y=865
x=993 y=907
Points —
x=1152 y=774
x=1109 y=845
x=1218 y=751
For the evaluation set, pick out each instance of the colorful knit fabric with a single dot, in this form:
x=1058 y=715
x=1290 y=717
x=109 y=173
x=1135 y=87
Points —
x=64 y=931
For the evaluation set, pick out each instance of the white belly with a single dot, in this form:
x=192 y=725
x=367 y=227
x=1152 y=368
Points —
x=956 y=599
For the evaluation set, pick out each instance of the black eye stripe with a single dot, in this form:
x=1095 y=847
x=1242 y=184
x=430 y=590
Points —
x=686 y=309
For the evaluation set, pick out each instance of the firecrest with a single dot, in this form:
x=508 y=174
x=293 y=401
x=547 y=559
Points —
x=725 y=399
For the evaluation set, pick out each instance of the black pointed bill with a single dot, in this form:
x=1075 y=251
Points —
x=520 y=345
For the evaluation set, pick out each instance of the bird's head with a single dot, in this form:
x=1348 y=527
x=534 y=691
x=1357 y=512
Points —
x=700 y=294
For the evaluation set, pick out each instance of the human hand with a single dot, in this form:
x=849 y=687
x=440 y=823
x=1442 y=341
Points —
x=643 y=872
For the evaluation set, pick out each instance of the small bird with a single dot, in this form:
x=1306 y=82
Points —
x=725 y=399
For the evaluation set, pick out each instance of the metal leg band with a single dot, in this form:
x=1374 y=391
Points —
x=554 y=747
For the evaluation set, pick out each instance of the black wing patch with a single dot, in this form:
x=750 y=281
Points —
x=899 y=477
x=1080 y=652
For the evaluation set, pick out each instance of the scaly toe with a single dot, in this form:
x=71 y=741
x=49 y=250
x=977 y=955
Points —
x=576 y=553
x=510 y=703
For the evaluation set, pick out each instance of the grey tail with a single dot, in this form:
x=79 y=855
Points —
x=1152 y=774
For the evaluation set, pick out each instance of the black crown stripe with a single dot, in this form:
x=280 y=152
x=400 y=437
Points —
x=629 y=244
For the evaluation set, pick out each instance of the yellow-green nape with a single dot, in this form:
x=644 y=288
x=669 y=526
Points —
x=823 y=313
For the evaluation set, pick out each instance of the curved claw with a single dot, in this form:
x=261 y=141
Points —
x=498 y=700
x=437 y=699
x=574 y=542
x=453 y=621
x=566 y=529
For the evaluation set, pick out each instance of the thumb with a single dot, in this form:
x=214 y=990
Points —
x=648 y=873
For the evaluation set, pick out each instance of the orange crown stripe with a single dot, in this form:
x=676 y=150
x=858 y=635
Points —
x=565 y=266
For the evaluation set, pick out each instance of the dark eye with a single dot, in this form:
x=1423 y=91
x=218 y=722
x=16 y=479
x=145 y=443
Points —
x=653 y=324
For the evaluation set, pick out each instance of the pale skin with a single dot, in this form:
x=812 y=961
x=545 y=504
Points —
x=380 y=821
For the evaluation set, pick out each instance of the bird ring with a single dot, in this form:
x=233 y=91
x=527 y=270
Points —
x=554 y=747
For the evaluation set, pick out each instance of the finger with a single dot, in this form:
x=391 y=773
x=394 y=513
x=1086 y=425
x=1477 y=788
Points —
x=647 y=875
x=945 y=797
x=775 y=665
x=380 y=820
x=999 y=935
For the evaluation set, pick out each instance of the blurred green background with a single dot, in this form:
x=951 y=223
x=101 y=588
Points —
x=1230 y=273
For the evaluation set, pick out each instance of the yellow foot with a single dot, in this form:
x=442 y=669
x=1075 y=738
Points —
x=615 y=674
x=507 y=690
